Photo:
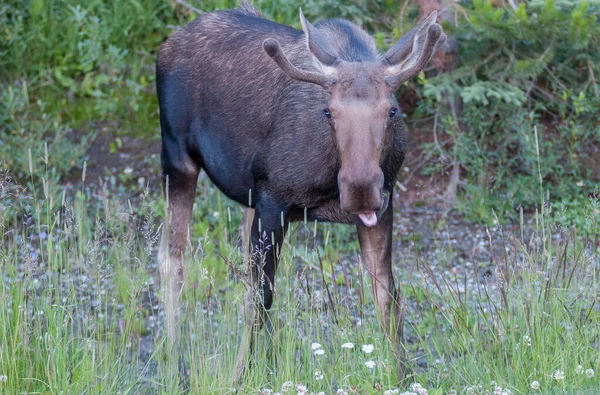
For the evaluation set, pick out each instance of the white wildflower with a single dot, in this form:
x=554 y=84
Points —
x=558 y=375
x=315 y=346
x=526 y=341
x=418 y=389
x=318 y=375
x=301 y=389
x=288 y=385
x=348 y=345
x=319 y=351
x=588 y=373
x=341 y=392
x=368 y=348
x=4 y=378
x=579 y=369
x=265 y=391
x=391 y=392
x=501 y=391
x=370 y=364
x=535 y=385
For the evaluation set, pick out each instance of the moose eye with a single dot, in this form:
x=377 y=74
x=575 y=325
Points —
x=393 y=112
x=327 y=113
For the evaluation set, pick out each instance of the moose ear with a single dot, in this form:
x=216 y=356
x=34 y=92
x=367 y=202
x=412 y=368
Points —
x=412 y=52
x=323 y=55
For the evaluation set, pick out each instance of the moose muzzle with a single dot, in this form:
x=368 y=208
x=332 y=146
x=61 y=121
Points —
x=361 y=192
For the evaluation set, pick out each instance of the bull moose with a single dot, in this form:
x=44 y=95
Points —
x=293 y=124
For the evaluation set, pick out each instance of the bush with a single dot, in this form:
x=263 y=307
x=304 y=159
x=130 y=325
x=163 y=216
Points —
x=533 y=67
x=28 y=133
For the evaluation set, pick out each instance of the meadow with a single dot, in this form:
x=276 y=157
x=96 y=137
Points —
x=500 y=288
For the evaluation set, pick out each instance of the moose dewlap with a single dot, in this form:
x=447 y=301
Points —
x=293 y=124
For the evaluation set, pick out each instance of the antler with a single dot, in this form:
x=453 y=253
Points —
x=273 y=49
x=412 y=52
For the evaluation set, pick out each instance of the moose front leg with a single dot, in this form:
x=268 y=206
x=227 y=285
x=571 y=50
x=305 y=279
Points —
x=376 y=247
x=268 y=230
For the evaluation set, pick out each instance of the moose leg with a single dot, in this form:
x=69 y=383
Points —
x=376 y=248
x=267 y=239
x=246 y=232
x=179 y=194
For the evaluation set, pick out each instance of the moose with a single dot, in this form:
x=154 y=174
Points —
x=294 y=125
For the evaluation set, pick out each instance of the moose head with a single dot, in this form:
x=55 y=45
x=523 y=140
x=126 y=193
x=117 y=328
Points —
x=362 y=107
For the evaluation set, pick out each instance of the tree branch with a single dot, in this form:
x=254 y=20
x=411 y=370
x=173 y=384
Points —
x=189 y=7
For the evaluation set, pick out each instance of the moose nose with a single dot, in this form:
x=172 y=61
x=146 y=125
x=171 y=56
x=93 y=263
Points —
x=360 y=192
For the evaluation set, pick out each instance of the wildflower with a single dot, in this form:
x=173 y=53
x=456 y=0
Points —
x=501 y=391
x=418 y=389
x=368 y=348
x=526 y=341
x=319 y=351
x=341 y=392
x=558 y=375
x=348 y=345
x=535 y=385
x=579 y=369
x=315 y=346
x=588 y=374
x=318 y=375
x=370 y=364
x=477 y=389
x=4 y=378
x=287 y=386
x=391 y=392
x=266 y=391
x=301 y=389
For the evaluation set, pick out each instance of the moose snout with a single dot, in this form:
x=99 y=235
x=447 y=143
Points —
x=361 y=192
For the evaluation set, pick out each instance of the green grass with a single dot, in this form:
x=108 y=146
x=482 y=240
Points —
x=81 y=312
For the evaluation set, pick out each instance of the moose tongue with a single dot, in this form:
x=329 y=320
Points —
x=369 y=219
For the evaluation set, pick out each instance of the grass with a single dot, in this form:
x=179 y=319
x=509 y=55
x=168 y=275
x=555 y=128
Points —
x=81 y=313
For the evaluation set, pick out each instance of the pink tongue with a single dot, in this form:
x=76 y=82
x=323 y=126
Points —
x=369 y=219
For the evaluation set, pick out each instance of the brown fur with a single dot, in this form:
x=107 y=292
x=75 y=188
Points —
x=293 y=124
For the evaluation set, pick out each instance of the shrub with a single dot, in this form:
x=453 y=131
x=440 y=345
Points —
x=530 y=67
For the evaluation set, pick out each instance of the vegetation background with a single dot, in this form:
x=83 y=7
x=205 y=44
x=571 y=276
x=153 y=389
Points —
x=505 y=130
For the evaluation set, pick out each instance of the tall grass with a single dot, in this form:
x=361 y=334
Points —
x=80 y=311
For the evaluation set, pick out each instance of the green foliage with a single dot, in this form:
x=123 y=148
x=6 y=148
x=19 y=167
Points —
x=89 y=60
x=535 y=66
x=24 y=126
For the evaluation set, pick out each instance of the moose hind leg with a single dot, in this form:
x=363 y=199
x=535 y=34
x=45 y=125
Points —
x=179 y=194
x=376 y=248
